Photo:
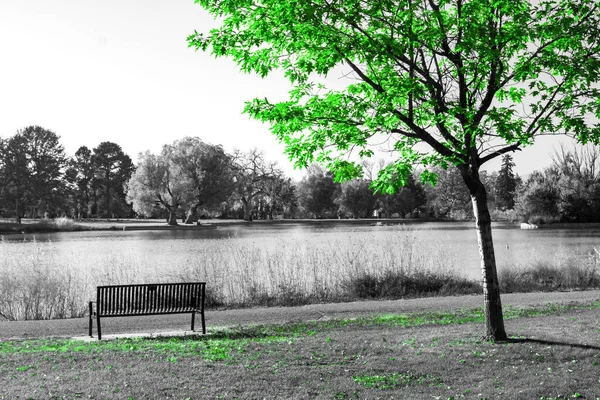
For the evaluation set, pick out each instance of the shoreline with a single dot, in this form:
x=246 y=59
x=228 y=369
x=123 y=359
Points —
x=48 y=226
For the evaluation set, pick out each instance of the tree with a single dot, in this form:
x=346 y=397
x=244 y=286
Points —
x=80 y=175
x=15 y=174
x=568 y=190
x=113 y=168
x=279 y=196
x=252 y=177
x=537 y=200
x=317 y=191
x=356 y=198
x=506 y=184
x=409 y=199
x=34 y=162
x=157 y=180
x=208 y=169
x=449 y=198
x=440 y=78
x=578 y=171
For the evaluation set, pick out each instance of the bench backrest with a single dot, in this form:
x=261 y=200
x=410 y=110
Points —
x=150 y=298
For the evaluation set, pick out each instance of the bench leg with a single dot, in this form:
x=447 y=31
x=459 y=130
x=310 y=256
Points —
x=193 y=320
x=203 y=323
x=99 y=328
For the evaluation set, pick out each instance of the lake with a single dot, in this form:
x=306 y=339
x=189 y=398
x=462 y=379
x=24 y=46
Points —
x=162 y=248
x=54 y=275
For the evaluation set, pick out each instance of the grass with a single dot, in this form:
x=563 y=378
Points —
x=554 y=353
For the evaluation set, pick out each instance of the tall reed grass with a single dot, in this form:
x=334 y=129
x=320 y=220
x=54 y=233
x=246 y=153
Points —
x=561 y=272
x=296 y=273
x=240 y=273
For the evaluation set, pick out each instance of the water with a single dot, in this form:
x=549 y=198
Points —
x=162 y=248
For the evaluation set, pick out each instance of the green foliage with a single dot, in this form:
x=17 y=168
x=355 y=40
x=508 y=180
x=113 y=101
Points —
x=409 y=199
x=449 y=75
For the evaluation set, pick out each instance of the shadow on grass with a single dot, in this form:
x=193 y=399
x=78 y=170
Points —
x=553 y=343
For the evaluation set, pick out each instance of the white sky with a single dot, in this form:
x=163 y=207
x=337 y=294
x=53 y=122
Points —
x=121 y=71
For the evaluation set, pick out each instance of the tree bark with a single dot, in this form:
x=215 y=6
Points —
x=172 y=218
x=494 y=320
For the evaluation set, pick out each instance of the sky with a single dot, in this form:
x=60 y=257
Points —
x=121 y=71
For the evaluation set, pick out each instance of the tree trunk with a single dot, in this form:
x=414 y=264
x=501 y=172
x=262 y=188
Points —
x=494 y=320
x=17 y=215
x=247 y=209
x=172 y=218
x=192 y=215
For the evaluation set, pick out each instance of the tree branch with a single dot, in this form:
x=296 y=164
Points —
x=507 y=149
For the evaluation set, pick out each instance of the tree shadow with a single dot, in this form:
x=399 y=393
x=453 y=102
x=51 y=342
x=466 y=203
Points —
x=553 y=343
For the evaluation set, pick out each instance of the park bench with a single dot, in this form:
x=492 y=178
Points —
x=148 y=299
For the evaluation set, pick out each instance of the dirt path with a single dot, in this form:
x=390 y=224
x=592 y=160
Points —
x=275 y=315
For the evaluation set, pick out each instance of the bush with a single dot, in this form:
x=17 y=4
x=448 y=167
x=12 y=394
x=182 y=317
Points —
x=392 y=285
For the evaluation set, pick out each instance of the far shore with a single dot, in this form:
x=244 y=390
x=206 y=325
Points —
x=48 y=226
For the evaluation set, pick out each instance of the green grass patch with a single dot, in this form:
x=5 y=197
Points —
x=394 y=381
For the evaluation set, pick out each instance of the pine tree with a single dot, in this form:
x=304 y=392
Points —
x=506 y=184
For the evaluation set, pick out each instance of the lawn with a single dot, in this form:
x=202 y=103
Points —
x=554 y=353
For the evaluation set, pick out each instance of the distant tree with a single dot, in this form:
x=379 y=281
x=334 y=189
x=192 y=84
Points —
x=568 y=190
x=409 y=199
x=46 y=163
x=252 y=176
x=3 y=187
x=489 y=181
x=80 y=175
x=506 y=184
x=113 y=169
x=538 y=198
x=356 y=198
x=158 y=181
x=15 y=175
x=208 y=169
x=449 y=198
x=279 y=196
x=317 y=192
x=579 y=179
x=34 y=162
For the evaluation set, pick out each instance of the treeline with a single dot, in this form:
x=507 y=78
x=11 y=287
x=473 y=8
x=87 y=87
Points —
x=190 y=179
x=566 y=191
x=37 y=179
